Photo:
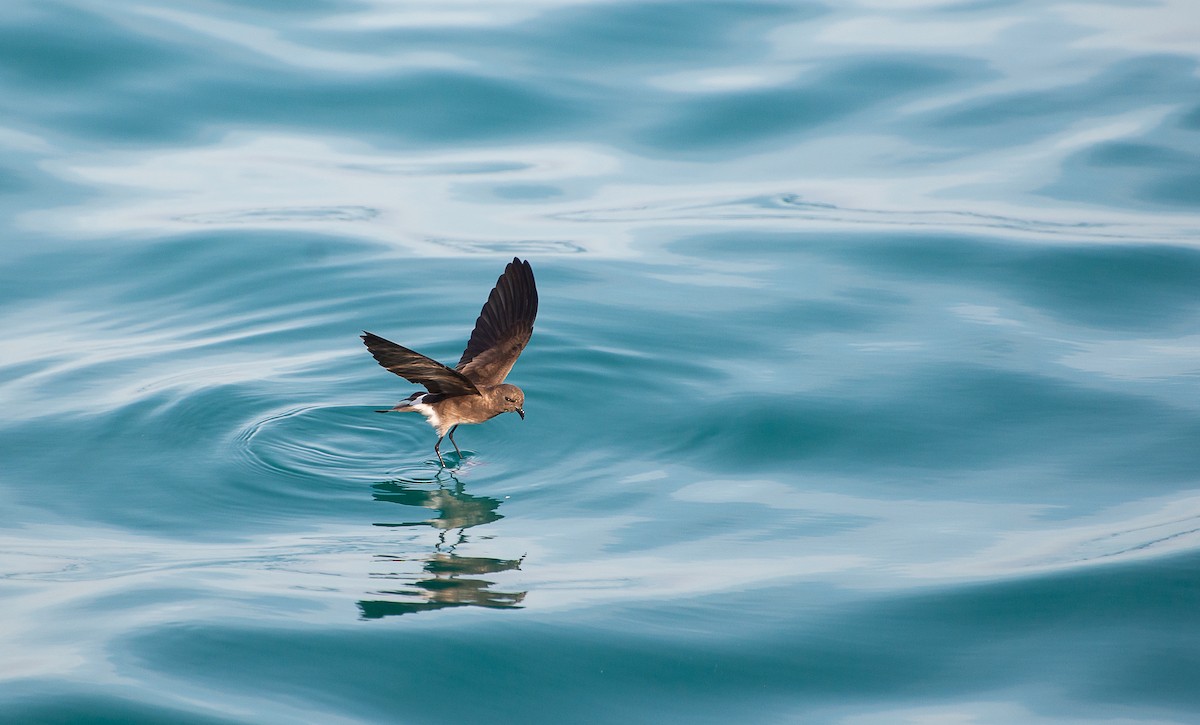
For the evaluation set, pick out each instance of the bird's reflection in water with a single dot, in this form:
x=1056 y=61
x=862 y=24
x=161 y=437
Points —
x=445 y=579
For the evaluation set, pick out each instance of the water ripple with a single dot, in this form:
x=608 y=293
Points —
x=346 y=443
x=283 y=214
x=797 y=208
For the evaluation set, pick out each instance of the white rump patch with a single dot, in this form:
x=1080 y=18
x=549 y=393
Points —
x=427 y=411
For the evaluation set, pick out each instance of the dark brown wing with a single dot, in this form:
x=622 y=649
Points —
x=416 y=368
x=503 y=328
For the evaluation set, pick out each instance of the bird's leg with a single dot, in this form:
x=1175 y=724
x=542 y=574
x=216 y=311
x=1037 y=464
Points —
x=451 y=434
x=436 y=447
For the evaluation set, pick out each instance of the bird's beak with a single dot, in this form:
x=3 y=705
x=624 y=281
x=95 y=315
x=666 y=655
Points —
x=521 y=413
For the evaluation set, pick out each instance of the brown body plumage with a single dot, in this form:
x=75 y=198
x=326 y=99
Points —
x=474 y=390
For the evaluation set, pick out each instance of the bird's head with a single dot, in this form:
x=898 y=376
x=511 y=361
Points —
x=513 y=399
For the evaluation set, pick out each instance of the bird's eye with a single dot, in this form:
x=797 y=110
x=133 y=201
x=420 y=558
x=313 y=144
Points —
x=508 y=399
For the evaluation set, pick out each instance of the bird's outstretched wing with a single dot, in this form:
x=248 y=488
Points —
x=504 y=326
x=416 y=368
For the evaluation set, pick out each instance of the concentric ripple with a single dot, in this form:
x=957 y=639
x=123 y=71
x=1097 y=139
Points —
x=349 y=443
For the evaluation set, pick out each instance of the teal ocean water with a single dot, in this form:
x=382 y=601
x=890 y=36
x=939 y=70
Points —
x=865 y=386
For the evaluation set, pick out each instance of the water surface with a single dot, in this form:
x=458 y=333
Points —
x=865 y=385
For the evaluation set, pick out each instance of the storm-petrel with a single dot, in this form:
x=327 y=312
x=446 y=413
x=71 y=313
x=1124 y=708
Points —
x=474 y=390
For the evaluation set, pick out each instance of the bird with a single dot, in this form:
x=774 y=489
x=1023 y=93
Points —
x=473 y=391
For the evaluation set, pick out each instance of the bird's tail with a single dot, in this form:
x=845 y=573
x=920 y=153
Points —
x=404 y=405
